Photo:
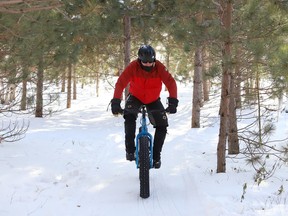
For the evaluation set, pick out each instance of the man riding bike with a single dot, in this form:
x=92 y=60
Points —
x=145 y=76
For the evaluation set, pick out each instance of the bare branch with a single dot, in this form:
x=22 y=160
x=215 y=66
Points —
x=13 y=132
x=26 y=6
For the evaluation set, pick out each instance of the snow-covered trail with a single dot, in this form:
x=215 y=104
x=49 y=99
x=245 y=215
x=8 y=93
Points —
x=73 y=163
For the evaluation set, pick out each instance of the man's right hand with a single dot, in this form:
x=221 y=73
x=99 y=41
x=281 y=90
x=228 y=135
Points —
x=115 y=106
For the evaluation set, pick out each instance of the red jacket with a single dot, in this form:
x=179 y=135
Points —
x=146 y=86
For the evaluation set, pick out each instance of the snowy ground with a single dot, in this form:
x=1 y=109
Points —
x=73 y=164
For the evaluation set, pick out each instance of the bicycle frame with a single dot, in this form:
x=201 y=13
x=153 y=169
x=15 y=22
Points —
x=144 y=132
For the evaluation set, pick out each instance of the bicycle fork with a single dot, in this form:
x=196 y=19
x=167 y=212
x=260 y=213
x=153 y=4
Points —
x=150 y=137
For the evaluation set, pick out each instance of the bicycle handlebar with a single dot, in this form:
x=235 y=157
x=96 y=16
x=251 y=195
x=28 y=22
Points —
x=140 y=110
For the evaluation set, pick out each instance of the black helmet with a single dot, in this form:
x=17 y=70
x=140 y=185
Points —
x=146 y=53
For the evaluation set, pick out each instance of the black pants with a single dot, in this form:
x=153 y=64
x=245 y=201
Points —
x=157 y=117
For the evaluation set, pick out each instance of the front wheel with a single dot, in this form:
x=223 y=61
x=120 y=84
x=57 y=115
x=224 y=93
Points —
x=144 y=162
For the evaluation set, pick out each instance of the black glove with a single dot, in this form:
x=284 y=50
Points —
x=115 y=106
x=172 y=105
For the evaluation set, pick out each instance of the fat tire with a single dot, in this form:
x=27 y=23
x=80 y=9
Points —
x=144 y=161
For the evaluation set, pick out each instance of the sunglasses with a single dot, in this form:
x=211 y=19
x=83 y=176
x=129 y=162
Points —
x=147 y=62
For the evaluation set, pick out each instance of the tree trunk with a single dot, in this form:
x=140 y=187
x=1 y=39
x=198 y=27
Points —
x=167 y=61
x=259 y=119
x=238 y=81
x=23 y=105
x=39 y=93
x=197 y=89
x=10 y=93
x=2 y=92
x=127 y=45
x=63 y=81
x=205 y=68
x=69 y=85
x=197 y=81
x=74 y=82
x=233 y=140
x=226 y=21
x=97 y=84
x=97 y=75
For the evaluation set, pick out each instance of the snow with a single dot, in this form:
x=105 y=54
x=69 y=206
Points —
x=73 y=163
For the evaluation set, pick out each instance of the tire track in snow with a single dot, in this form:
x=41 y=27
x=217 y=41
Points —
x=170 y=199
x=162 y=196
x=175 y=188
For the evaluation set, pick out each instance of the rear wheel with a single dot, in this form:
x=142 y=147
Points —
x=144 y=161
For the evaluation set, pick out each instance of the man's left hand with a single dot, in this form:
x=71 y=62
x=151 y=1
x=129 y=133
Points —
x=172 y=105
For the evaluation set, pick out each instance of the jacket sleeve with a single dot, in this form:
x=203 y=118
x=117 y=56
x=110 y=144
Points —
x=122 y=82
x=169 y=82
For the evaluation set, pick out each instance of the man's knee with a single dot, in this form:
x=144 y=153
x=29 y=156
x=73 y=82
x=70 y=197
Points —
x=161 y=129
x=159 y=119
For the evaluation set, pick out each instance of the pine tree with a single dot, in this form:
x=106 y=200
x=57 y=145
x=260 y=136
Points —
x=225 y=14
